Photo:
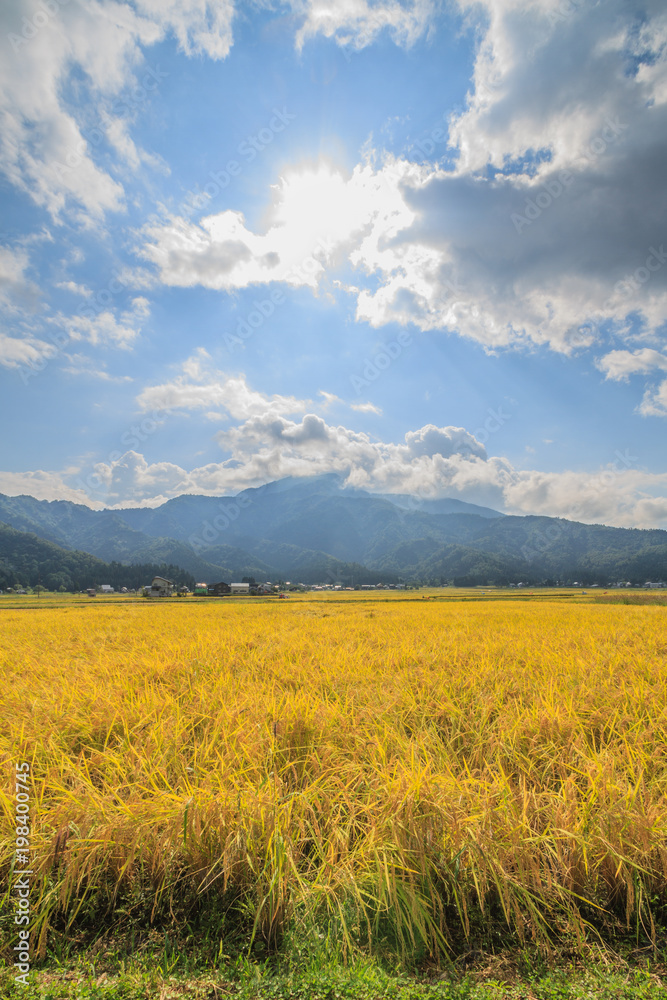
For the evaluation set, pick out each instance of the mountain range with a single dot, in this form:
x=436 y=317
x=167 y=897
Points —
x=313 y=529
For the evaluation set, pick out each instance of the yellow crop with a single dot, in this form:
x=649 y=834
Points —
x=343 y=760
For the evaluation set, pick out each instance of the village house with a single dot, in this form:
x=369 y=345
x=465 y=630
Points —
x=161 y=587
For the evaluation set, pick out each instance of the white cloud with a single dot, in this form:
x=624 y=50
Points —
x=366 y=408
x=557 y=244
x=440 y=461
x=105 y=328
x=430 y=462
x=202 y=27
x=617 y=494
x=44 y=485
x=433 y=460
x=16 y=290
x=620 y=365
x=357 y=23
x=654 y=403
x=18 y=351
x=263 y=442
x=131 y=478
x=444 y=249
x=46 y=148
x=201 y=387
x=80 y=364
x=315 y=212
x=74 y=288
x=329 y=398
x=527 y=98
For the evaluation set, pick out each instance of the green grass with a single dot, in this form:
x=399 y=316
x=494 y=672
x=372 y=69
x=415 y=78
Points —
x=363 y=981
x=158 y=966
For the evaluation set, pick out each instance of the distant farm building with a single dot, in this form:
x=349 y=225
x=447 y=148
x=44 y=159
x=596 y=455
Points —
x=240 y=588
x=218 y=589
x=161 y=587
x=105 y=588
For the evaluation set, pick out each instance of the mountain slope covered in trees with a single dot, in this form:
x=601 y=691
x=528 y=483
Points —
x=315 y=530
x=28 y=561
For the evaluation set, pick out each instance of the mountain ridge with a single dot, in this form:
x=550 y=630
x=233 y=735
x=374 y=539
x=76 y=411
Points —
x=316 y=528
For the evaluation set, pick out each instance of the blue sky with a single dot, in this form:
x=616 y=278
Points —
x=417 y=243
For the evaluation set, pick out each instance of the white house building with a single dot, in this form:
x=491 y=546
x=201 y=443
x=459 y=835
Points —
x=161 y=587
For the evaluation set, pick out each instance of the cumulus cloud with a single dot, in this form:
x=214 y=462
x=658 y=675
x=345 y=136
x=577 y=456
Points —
x=545 y=231
x=29 y=351
x=328 y=397
x=654 y=403
x=619 y=365
x=315 y=214
x=71 y=286
x=201 y=387
x=617 y=494
x=202 y=27
x=547 y=228
x=548 y=79
x=130 y=478
x=106 y=328
x=46 y=147
x=366 y=408
x=446 y=441
x=357 y=23
x=45 y=485
x=79 y=364
x=17 y=291
x=429 y=462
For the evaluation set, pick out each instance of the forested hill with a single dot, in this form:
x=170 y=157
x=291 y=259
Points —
x=314 y=529
x=28 y=561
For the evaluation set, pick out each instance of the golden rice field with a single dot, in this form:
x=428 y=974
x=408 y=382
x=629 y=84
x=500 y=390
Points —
x=393 y=770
